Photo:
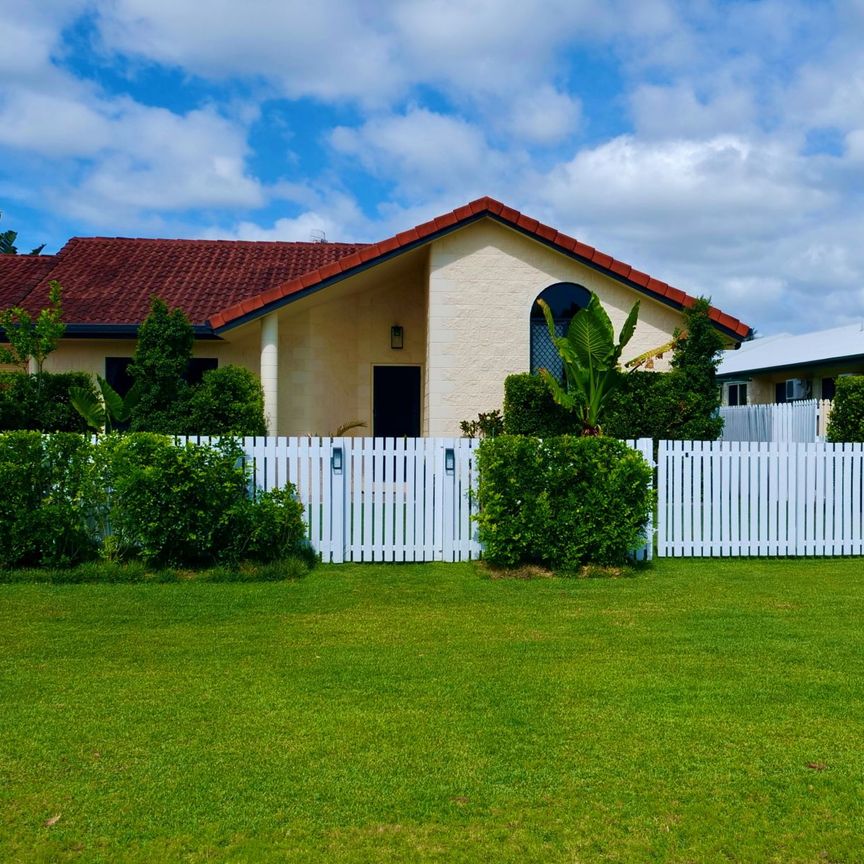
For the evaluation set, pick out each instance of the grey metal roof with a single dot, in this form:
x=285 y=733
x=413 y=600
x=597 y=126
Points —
x=772 y=352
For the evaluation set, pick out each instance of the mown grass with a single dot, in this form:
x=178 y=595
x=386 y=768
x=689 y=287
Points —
x=698 y=711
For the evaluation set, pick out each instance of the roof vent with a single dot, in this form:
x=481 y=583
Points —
x=317 y=236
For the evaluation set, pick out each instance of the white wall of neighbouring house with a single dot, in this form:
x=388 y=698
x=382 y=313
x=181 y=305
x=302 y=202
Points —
x=483 y=280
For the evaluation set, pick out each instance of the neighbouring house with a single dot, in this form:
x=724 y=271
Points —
x=410 y=335
x=778 y=369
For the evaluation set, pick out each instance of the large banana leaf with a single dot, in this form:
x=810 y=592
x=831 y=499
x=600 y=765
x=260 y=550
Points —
x=89 y=406
x=590 y=358
x=114 y=405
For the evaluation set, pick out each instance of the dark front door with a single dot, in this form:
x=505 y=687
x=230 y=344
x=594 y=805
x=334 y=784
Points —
x=396 y=402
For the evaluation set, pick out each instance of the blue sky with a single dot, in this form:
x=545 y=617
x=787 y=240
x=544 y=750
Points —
x=717 y=145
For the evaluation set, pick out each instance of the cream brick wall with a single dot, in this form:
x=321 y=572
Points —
x=330 y=343
x=88 y=355
x=471 y=292
x=483 y=281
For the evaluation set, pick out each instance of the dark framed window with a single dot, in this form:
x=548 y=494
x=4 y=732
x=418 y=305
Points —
x=117 y=374
x=829 y=388
x=198 y=366
x=780 y=392
x=117 y=371
x=565 y=299
x=737 y=394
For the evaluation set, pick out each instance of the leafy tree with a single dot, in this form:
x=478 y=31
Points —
x=158 y=368
x=590 y=358
x=29 y=339
x=695 y=358
x=8 y=247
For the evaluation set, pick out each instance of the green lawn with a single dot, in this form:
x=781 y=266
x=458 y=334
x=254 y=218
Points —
x=423 y=713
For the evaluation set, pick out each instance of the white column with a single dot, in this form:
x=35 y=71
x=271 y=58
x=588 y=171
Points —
x=270 y=370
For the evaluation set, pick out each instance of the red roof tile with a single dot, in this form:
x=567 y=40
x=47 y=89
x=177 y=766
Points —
x=20 y=274
x=111 y=280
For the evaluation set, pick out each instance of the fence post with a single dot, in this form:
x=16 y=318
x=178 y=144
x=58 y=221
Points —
x=335 y=514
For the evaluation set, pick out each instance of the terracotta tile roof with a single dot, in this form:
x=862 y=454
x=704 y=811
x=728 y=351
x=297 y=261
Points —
x=20 y=274
x=220 y=283
x=110 y=280
x=450 y=221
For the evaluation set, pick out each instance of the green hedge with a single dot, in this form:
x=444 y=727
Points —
x=47 y=498
x=561 y=502
x=138 y=496
x=846 y=422
x=41 y=402
x=529 y=409
x=228 y=401
x=656 y=405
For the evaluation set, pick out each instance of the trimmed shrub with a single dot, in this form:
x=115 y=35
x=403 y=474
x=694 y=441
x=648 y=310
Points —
x=846 y=422
x=170 y=504
x=46 y=505
x=529 y=409
x=41 y=402
x=142 y=497
x=598 y=498
x=268 y=528
x=228 y=401
x=509 y=492
x=561 y=502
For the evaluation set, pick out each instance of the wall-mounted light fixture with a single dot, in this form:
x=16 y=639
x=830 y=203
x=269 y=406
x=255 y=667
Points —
x=336 y=460
x=397 y=337
x=449 y=460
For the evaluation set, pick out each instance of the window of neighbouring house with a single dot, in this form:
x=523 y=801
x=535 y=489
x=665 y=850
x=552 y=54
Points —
x=780 y=392
x=736 y=394
x=565 y=299
x=828 y=388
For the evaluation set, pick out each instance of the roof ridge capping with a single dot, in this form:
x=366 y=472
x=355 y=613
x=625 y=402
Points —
x=454 y=219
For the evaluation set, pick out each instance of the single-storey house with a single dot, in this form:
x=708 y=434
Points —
x=789 y=368
x=410 y=335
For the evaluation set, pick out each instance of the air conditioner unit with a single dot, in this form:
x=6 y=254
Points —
x=796 y=388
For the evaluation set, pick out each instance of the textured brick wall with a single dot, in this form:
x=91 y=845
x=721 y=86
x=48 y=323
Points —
x=483 y=281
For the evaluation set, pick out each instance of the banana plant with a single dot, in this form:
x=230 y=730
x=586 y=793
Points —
x=104 y=411
x=590 y=356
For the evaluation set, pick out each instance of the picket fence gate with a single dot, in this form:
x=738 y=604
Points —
x=746 y=498
x=382 y=499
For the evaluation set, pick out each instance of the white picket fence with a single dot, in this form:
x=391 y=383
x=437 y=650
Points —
x=382 y=499
x=803 y=421
x=736 y=499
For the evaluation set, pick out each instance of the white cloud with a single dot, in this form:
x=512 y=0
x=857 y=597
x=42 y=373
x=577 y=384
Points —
x=677 y=112
x=425 y=152
x=544 y=116
x=329 y=49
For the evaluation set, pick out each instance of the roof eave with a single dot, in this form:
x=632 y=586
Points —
x=783 y=367
x=266 y=309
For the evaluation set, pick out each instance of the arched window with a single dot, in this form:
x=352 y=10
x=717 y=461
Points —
x=565 y=299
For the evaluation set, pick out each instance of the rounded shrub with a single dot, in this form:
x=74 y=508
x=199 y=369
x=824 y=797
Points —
x=228 y=401
x=846 y=422
x=561 y=502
